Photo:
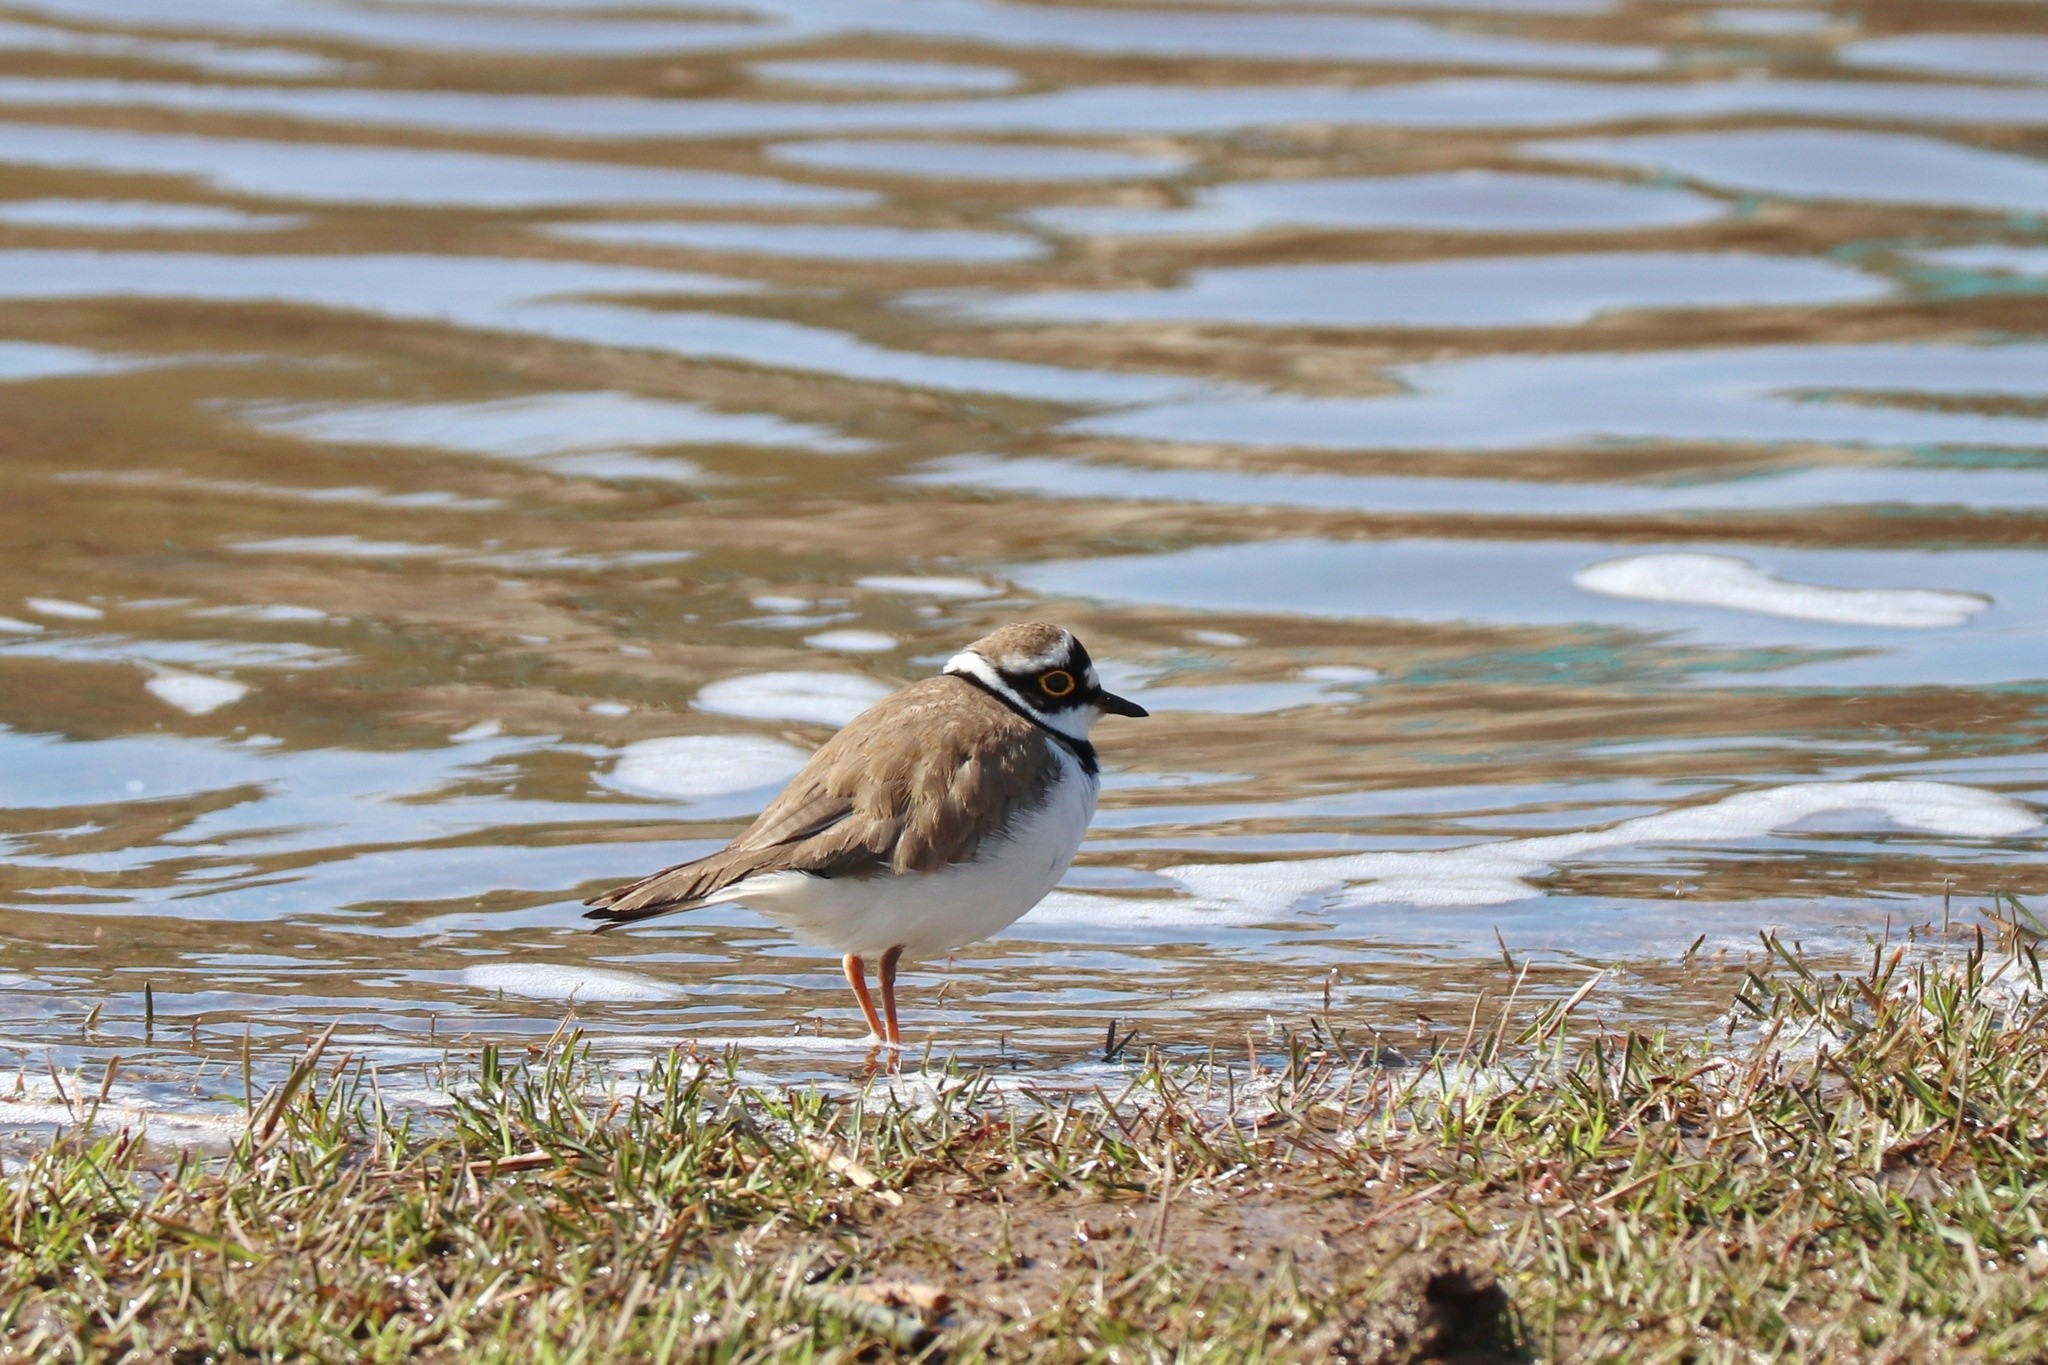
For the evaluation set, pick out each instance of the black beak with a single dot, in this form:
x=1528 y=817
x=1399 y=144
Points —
x=1119 y=706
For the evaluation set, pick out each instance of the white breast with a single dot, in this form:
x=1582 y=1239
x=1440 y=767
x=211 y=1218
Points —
x=932 y=913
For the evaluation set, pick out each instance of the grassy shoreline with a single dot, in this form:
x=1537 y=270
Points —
x=1858 y=1170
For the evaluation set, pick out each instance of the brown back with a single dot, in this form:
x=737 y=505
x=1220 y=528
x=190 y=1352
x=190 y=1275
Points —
x=914 y=784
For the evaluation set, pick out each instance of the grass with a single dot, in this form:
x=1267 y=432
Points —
x=1856 y=1170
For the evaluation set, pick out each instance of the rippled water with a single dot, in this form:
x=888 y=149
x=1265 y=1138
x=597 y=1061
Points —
x=1567 y=475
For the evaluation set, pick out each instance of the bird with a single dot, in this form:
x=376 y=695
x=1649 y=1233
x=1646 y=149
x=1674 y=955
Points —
x=934 y=819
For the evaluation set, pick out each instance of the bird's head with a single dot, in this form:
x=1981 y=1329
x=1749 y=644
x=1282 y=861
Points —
x=1045 y=671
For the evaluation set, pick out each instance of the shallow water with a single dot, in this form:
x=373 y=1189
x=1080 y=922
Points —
x=1568 y=477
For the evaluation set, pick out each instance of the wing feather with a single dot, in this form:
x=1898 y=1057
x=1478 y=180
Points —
x=913 y=784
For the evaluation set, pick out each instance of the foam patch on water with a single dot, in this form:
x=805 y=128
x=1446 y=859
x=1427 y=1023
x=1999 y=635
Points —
x=62 y=610
x=852 y=641
x=263 y=611
x=1737 y=584
x=814 y=698
x=1081 y=910
x=159 y=1126
x=339 y=547
x=539 y=426
x=194 y=693
x=1497 y=873
x=691 y=767
x=933 y=586
x=572 y=985
x=11 y=626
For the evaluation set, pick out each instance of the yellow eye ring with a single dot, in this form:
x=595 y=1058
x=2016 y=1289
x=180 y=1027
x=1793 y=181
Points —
x=1058 y=683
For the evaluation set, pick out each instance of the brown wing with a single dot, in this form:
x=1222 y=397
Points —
x=915 y=783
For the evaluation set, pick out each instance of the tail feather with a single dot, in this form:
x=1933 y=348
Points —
x=674 y=889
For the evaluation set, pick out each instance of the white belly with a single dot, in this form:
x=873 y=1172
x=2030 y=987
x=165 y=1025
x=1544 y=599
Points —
x=931 y=913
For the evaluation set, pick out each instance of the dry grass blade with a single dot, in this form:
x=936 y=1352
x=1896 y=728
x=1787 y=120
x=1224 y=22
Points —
x=827 y=1153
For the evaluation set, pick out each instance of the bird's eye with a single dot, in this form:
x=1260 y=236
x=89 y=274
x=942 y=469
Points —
x=1057 y=683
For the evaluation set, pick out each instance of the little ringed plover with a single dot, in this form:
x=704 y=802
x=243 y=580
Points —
x=934 y=819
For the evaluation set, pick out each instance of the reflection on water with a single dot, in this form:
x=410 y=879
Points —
x=1823 y=163
x=1510 y=202
x=1507 y=291
x=1563 y=474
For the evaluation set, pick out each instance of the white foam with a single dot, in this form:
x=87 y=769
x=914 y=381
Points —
x=832 y=1043
x=934 y=586
x=194 y=693
x=539 y=426
x=339 y=547
x=1496 y=873
x=852 y=641
x=690 y=767
x=1340 y=673
x=62 y=609
x=160 y=1126
x=264 y=611
x=816 y=698
x=574 y=985
x=1086 y=910
x=483 y=729
x=10 y=626
x=1737 y=584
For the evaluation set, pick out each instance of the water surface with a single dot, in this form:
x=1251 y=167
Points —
x=1568 y=477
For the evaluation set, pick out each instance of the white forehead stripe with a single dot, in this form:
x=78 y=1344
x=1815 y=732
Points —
x=983 y=672
x=1050 y=659
x=1073 y=721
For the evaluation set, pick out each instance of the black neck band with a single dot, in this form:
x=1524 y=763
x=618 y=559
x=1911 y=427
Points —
x=1081 y=749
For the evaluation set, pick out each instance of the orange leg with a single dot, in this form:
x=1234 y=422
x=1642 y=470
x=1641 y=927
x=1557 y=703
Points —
x=889 y=960
x=857 y=977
